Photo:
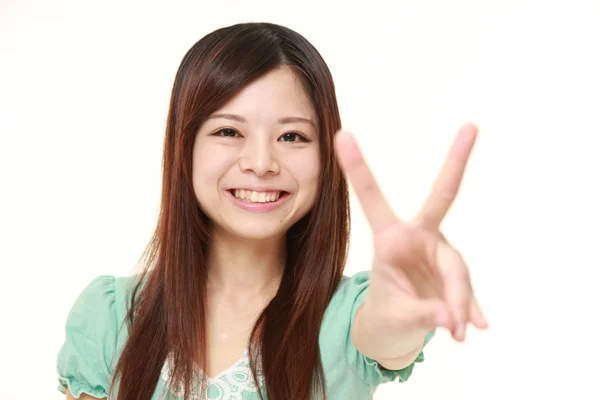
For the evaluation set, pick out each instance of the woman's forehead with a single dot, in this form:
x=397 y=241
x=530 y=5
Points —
x=277 y=94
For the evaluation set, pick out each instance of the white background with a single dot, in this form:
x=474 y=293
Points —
x=84 y=90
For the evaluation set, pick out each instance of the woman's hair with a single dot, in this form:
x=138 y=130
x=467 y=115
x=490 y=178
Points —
x=166 y=315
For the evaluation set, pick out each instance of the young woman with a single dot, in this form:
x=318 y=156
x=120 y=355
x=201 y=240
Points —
x=243 y=294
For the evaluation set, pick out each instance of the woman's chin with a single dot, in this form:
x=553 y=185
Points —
x=257 y=231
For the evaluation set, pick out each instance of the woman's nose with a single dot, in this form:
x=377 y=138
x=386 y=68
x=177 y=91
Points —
x=259 y=157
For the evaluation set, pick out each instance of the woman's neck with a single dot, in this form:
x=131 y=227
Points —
x=241 y=268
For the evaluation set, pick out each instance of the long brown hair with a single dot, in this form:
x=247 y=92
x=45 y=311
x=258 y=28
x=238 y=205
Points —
x=166 y=314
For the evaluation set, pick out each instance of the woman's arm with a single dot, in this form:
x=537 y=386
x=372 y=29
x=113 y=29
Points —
x=405 y=348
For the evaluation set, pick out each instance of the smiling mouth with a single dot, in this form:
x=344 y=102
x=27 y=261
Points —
x=251 y=196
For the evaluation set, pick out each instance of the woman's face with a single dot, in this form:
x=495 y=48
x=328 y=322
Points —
x=256 y=160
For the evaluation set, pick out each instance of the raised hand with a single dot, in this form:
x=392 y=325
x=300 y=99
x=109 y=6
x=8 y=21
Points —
x=418 y=280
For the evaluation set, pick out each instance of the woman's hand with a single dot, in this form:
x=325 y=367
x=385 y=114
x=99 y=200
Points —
x=418 y=280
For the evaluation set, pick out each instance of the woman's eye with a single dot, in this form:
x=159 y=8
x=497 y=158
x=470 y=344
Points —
x=293 y=137
x=227 y=132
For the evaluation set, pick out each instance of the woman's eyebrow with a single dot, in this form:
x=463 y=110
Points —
x=284 y=120
x=289 y=120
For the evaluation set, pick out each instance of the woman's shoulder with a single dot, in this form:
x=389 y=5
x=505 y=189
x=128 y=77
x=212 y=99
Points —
x=106 y=292
x=348 y=296
x=94 y=333
x=351 y=287
x=359 y=277
x=100 y=307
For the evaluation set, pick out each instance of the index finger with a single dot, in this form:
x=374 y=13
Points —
x=448 y=182
x=378 y=212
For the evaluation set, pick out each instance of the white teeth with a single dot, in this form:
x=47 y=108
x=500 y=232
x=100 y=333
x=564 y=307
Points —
x=256 y=197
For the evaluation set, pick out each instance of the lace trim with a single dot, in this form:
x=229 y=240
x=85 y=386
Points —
x=230 y=384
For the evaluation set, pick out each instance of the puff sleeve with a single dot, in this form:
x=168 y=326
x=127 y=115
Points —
x=85 y=360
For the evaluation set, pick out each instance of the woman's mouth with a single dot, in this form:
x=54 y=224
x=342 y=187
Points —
x=251 y=196
x=258 y=202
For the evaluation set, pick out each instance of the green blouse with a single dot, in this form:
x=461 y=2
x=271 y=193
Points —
x=87 y=359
